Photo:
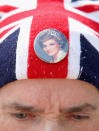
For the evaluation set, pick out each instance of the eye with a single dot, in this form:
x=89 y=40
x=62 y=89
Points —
x=23 y=116
x=80 y=117
x=77 y=117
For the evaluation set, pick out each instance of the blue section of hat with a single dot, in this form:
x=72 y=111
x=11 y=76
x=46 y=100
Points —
x=89 y=62
x=8 y=58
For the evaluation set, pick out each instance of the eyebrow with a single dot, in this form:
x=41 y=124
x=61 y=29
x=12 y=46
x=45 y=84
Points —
x=22 y=107
x=83 y=107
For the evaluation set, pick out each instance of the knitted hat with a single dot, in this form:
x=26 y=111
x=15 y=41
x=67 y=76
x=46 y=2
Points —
x=50 y=40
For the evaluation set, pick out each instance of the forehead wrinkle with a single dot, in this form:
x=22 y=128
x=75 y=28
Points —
x=52 y=96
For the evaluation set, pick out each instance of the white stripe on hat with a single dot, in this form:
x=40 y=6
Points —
x=76 y=28
x=26 y=4
x=22 y=49
x=74 y=51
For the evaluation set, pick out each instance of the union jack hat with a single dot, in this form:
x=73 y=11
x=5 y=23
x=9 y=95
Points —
x=72 y=24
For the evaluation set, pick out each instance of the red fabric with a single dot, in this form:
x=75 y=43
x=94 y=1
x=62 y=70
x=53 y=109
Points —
x=7 y=8
x=49 y=2
x=53 y=19
x=89 y=8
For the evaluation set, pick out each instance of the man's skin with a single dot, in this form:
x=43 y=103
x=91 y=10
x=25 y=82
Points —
x=49 y=105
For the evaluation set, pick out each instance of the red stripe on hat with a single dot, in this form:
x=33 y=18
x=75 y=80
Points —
x=89 y=8
x=7 y=8
x=56 y=2
x=42 y=1
x=41 y=21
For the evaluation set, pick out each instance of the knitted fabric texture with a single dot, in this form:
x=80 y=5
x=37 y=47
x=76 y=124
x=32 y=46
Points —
x=21 y=23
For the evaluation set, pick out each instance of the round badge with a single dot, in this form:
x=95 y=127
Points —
x=51 y=45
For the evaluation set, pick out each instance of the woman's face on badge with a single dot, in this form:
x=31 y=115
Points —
x=51 y=47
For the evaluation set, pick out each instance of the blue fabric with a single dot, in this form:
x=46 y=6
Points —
x=8 y=58
x=89 y=62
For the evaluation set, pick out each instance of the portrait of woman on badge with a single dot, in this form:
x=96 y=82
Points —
x=51 y=45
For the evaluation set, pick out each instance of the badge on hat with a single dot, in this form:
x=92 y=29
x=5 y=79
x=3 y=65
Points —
x=51 y=45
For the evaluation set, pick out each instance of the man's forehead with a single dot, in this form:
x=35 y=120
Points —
x=50 y=85
x=43 y=91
